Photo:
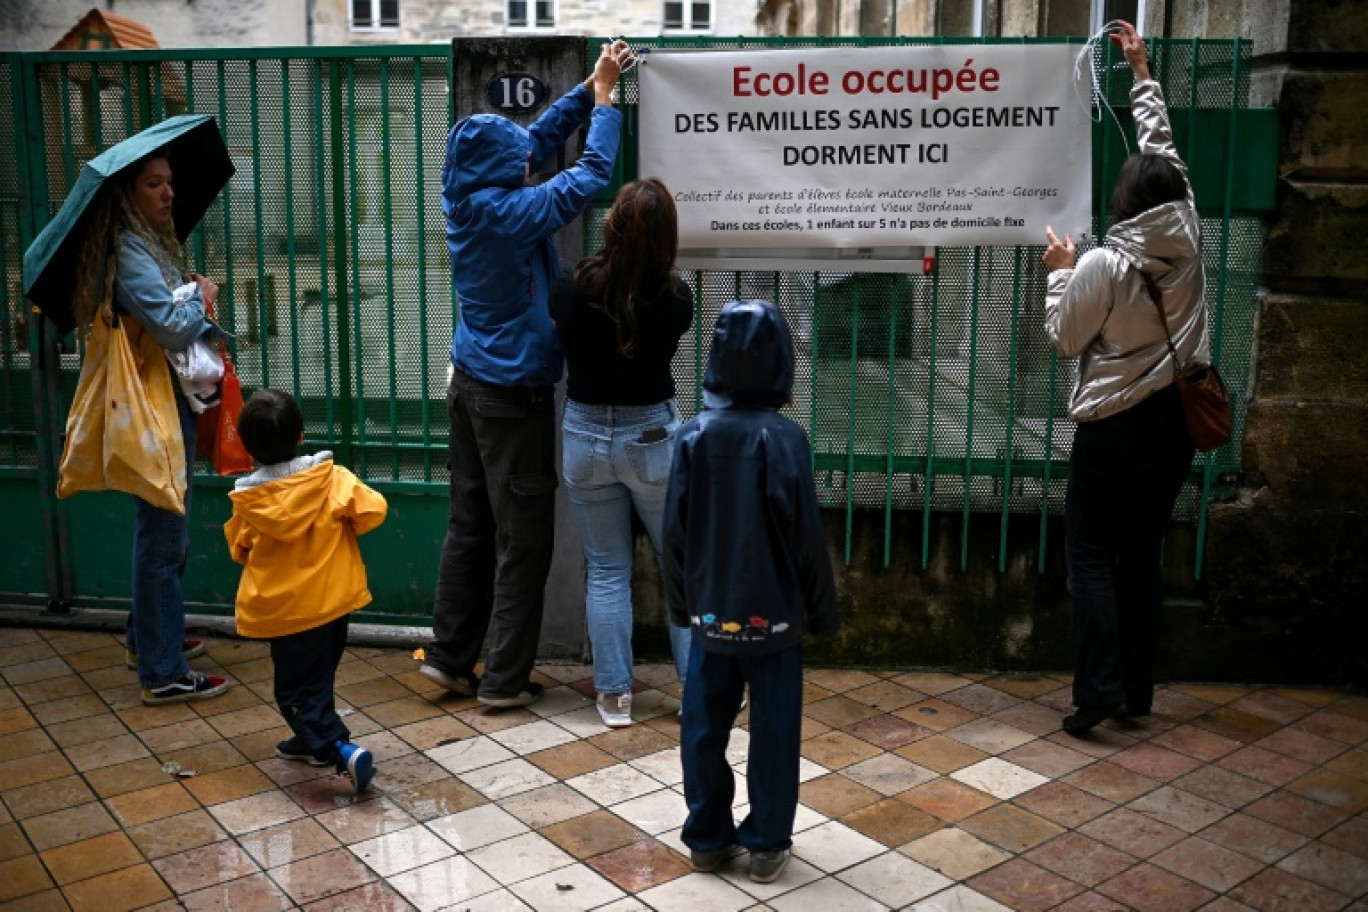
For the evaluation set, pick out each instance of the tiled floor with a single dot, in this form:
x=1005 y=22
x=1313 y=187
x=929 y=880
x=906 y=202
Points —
x=932 y=792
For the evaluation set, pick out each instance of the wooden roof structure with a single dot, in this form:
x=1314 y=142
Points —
x=101 y=30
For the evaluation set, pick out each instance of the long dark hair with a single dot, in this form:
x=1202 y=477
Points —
x=640 y=237
x=1146 y=180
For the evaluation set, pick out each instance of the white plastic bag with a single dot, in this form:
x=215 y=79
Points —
x=199 y=368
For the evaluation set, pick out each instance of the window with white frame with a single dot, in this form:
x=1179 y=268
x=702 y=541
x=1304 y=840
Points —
x=374 y=15
x=531 y=14
x=695 y=16
x=1081 y=18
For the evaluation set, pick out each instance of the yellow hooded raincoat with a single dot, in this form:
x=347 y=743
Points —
x=296 y=537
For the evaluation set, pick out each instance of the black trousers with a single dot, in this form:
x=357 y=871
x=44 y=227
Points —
x=305 y=671
x=497 y=550
x=1124 y=477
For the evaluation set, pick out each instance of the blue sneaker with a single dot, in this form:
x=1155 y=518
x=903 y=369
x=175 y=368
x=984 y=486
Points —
x=356 y=762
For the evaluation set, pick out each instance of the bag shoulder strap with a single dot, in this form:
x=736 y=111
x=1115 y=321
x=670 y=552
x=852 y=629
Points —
x=1157 y=297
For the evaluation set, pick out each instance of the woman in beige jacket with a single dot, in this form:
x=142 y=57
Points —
x=1131 y=450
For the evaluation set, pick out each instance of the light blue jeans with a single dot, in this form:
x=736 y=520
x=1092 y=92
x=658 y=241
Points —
x=608 y=471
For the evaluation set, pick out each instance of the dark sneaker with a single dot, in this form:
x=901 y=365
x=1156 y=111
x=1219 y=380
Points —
x=466 y=686
x=193 y=686
x=356 y=762
x=705 y=861
x=1087 y=718
x=293 y=750
x=765 y=867
x=529 y=695
x=189 y=649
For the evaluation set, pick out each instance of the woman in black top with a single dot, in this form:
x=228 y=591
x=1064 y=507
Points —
x=620 y=319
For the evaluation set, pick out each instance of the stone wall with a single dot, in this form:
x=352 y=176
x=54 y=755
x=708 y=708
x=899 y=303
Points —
x=424 y=21
x=1288 y=558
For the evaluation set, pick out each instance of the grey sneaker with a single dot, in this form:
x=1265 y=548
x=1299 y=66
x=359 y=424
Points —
x=705 y=861
x=526 y=697
x=765 y=867
x=615 y=709
x=466 y=686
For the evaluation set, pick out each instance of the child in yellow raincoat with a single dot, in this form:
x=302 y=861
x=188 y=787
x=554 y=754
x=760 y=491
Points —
x=294 y=528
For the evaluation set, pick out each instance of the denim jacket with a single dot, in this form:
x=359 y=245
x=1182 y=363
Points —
x=140 y=290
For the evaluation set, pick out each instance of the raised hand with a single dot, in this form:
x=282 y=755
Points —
x=1133 y=47
x=607 y=69
x=1057 y=255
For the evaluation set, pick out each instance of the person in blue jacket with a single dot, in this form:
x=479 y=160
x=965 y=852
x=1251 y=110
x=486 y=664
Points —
x=505 y=361
x=747 y=568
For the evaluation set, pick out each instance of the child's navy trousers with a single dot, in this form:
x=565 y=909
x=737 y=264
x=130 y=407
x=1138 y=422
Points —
x=305 y=672
x=712 y=698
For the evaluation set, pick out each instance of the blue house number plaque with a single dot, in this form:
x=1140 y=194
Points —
x=516 y=92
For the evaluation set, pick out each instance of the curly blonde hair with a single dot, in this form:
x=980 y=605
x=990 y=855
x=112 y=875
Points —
x=115 y=212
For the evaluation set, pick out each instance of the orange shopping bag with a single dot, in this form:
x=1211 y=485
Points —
x=218 y=437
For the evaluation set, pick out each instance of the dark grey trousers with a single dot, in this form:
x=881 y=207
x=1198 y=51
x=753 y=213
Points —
x=500 y=530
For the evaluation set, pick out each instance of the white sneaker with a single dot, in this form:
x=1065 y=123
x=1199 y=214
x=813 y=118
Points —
x=615 y=709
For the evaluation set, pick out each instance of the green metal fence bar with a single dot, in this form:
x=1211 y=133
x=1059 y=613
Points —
x=68 y=159
x=889 y=438
x=424 y=408
x=356 y=329
x=701 y=333
x=197 y=235
x=974 y=286
x=852 y=410
x=389 y=264
x=344 y=152
x=1015 y=337
x=158 y=99
x=325 y=300
x=1222 y=276
x=291 y=271
x=928 y=477
x=228 y=311
x=263 y=317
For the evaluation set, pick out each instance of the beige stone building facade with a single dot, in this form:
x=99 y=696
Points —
x=421 y=21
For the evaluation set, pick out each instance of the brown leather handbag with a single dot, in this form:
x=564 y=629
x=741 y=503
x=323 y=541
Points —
x=1201 y=390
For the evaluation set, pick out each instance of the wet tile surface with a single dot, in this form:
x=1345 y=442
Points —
x=920 y=790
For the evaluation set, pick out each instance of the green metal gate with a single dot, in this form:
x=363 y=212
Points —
x=940 y=392
x=929 y=393
x=336 y=285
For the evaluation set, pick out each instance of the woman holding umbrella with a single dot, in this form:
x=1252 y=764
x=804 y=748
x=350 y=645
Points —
x=135 y=218
x=123 y=224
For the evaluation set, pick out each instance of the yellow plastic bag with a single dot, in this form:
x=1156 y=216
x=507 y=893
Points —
x=123 y=432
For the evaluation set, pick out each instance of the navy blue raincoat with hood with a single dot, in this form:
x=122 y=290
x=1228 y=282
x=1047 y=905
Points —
x=746 y=561
x=499 y=232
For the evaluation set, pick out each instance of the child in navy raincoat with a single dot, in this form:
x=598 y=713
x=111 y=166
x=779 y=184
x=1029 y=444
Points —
x=747 y=568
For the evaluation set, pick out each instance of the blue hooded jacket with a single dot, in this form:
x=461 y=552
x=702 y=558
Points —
x=746 y=562
x=500 y=231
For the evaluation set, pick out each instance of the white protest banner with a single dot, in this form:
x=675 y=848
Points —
x=866 y=154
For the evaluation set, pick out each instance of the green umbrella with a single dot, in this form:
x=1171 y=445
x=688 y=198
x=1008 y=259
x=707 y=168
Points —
x=200 y=167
